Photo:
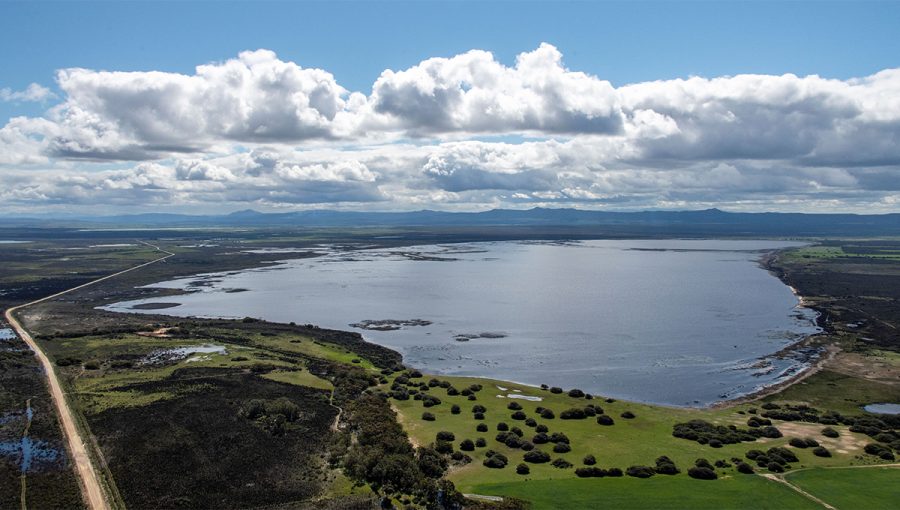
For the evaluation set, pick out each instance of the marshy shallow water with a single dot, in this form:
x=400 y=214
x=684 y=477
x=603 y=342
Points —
x=663 y=321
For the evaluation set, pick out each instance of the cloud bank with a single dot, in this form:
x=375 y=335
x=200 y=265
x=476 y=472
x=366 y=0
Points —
x=465 y=132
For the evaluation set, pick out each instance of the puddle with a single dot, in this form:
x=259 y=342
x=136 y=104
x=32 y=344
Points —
x=882 y=408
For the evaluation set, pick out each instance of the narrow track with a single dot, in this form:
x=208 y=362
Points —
x=91 y=487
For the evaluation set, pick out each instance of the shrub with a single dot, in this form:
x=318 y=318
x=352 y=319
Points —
x=496 y=461
x=770 y=405
x=519 y=415
x=811 y=443
x=796 y=442
x=744 y=468
x=444 y=447
x=467 y=445
x=590 y=412
x=531 y=422
x=517 y=431
x=715 y=443
x=754 y=454
x=430 y=400
x=665 y=466
x=540 y=438
x=478 y=416
x=605 y=419
x=527 y=446
x=478 y=408
x=523 y=469
x=703 y=463
x=513 y=441
x=451 y=391
x=576 y=393
x=556 y=390
x=514 y=406
x=586 y=472
x=639 y=471
x=589 y=460
x=821 y=451
x=562 y=448
x=537 y=457
x=480 y=442
x=455 y=409
x=428 y=417
x=702 y=473
x=628 y=415
x=572 y=414
x=547 y=414
x=502 y=426
x=92 y=365
x=782 y=452
x=559 y=437
x=879 y=450
x=472 y=397
x=445 y=436
x=460 y=458
x=775 y=467
x=614 y=472
x=830 y=432
x=541 y=428
x=482 y=427
x=756 y=421
x=561 y=463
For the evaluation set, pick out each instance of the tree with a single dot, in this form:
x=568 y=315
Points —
x=431 y=463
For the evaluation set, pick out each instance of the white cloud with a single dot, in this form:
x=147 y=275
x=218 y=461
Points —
x=474 y=93
x=534 y=132
x=34 y=93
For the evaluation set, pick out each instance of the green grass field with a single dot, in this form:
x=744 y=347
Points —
x=638 y=441
x=670 y=492
x=847 y=489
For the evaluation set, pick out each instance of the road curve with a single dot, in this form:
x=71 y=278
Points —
x=90 y=482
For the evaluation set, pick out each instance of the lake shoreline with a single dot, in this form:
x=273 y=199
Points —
x=809 y=365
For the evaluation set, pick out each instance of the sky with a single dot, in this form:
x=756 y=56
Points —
x=211 y=107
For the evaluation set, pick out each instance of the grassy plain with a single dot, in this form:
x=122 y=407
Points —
x=637 y=441
x=657 y=492
x=847 y=489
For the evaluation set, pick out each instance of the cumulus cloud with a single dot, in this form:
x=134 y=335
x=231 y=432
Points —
x=33 y=93
x=473 y=92
x=457 y=132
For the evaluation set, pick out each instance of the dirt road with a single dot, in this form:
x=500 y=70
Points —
x=90 y=482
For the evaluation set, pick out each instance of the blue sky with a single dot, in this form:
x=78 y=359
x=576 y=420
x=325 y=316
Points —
x=620 y=42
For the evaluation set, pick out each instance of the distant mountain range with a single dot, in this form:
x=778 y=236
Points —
x=704 y=222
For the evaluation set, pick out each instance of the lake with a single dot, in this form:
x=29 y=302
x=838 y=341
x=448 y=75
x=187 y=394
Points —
x=676 y=322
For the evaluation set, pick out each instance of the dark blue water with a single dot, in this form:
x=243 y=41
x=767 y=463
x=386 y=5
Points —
x=671 y=322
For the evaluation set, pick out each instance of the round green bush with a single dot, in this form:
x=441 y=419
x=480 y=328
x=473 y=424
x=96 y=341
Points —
x=523 y=469
x=537 y=457
x=821 y=451
x=605 y=419
x=428 y=417
x=639 y=471
x=702 y=473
